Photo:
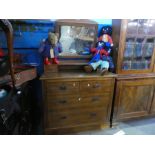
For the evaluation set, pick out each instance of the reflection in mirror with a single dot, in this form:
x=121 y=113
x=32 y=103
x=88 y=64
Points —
x=76 y=39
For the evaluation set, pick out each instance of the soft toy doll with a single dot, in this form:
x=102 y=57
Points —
x=50 y=49
x=105 y=36
x=102 y=61
x=97 y=61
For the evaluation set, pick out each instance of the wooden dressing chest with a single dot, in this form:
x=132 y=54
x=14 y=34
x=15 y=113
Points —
x=76 y=101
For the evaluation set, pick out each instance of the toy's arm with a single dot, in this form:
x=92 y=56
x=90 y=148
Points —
x=104 y=52
x=93 y=50
x=110 y=40
x=42 y=46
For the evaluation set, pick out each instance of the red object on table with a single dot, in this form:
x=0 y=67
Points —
x=1 y=53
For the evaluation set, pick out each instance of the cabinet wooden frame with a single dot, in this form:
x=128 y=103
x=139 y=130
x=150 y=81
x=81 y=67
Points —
x=119 y=37
x=78 y=23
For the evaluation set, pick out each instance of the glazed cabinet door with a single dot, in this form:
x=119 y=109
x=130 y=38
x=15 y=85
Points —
x=133 y=98
x=136 y=46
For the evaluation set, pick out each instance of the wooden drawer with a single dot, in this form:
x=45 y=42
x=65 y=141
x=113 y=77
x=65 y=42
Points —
x=62 y=102
x=63 y=88
x=75 y=117
x=96 y=100
x=94 y=87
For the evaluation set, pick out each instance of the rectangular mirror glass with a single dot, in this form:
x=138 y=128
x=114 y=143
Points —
x=75 y=39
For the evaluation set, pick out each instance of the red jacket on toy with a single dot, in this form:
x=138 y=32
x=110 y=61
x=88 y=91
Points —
x=101 y=52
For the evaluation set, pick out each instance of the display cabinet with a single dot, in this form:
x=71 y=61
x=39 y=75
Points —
x=134 y=49
x=134 y=42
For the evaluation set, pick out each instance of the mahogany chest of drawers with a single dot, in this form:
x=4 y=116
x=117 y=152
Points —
x=75 y=102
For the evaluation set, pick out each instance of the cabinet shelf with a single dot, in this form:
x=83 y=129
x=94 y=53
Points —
x=140 y=36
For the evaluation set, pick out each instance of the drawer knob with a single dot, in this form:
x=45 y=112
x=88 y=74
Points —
x=79 y=98
x=95 y=98
x=74 y=84
x=64 y=117
x=62 y=87
x=88 y=85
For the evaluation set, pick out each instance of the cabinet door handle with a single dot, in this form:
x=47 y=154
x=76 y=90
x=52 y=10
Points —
x=62 y=101
x=95 y=99
x=62 y=87
x=97 y=85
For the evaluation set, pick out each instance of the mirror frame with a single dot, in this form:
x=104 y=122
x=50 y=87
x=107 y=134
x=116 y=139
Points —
x=76 y=22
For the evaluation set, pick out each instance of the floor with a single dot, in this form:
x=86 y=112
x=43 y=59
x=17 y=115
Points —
x=138 y=127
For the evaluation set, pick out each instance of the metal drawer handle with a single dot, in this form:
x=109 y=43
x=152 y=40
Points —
x=62 y=87
x=93 y=114
x=62 y=101
x=64 y=117
x=97 y=85
x=95 y=98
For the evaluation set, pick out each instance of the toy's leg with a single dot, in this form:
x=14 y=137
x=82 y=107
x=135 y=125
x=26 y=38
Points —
x=105 y=64
x=46 y=61
x=104 y=67
x=92 y=66
x=95 y=65
x=88 y=68
x=55 y=61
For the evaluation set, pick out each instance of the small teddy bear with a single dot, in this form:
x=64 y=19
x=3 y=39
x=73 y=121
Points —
x=50 y=49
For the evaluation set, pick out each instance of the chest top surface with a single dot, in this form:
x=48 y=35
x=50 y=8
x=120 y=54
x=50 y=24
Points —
x=76 y=75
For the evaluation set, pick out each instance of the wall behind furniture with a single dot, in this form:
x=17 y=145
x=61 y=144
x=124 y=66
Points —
x=29 y=33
